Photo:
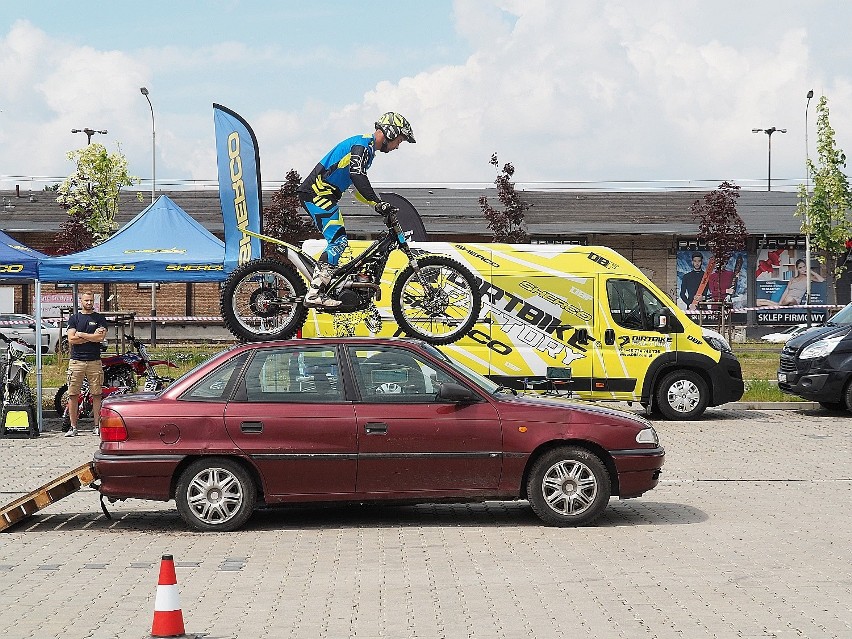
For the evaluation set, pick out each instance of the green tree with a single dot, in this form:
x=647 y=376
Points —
x=91 y=196
x=284 y=218
x=508 y=224
x=824 y=212
x=720 y=226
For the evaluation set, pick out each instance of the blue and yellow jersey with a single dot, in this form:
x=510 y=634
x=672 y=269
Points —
x=344 y=166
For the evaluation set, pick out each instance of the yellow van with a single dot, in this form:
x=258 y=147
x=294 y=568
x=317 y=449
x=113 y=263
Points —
x=577 y=317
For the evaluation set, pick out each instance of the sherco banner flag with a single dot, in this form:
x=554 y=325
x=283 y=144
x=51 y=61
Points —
x=239 y=185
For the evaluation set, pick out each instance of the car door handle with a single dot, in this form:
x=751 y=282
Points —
x=376 y=428
x=609 y=337
x=251 y=427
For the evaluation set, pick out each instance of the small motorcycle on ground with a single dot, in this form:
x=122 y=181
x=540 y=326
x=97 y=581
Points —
x=14 y=389
x=121 y=372
x=434 y=298
x=85 y=404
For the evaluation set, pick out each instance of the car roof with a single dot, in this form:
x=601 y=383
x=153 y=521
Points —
x=329 y=341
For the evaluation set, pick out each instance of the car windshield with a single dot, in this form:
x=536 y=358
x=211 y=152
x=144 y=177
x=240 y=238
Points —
x=843 y=317
x=483 y=382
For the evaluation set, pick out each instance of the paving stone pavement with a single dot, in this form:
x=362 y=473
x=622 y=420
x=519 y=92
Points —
x=748 y=535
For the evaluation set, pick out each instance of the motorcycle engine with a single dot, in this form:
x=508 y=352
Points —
x=350 y=301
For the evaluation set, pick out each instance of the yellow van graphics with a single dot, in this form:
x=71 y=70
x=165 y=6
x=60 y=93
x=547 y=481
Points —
x=551 y=310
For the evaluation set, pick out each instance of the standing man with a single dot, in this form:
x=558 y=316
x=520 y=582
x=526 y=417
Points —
x=86 y=330
x=344 y=166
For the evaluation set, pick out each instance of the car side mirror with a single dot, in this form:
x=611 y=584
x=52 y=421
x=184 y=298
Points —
x=454 y=393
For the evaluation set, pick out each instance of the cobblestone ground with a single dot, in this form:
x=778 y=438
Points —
x=748 y=535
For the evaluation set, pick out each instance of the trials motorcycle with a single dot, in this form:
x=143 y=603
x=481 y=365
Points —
x=434 y=298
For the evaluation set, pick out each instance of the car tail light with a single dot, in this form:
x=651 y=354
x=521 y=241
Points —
x=112 y=426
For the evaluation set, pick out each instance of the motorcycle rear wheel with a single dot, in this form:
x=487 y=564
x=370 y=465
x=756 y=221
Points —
x=258 y=301
x=441 y=305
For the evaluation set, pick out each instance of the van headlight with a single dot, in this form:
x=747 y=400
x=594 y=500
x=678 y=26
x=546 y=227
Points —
x=821 y=348
x=716 y=341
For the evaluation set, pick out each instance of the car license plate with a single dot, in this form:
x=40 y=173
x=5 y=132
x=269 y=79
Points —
x=782 y=377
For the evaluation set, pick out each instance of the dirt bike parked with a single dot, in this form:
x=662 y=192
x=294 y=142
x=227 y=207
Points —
x=85 y=404
x=434 y=298
x=14 y=389
x=122 y=371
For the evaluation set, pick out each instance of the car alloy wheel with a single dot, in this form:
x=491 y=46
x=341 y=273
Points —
x=568 y=487
x=215 y=494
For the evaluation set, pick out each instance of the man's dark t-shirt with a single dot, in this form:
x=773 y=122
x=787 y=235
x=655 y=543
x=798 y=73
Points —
x=82 y=323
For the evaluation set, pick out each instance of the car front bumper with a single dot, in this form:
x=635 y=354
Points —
x=638 y=470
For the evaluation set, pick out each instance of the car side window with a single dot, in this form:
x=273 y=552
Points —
x=293 y=375
x=216 y=386
x=395 y=375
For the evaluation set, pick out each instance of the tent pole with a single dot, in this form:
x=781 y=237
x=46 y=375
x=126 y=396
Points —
x=38 y=354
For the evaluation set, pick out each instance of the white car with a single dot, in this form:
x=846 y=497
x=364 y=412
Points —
x=788 y=333
x=19 y=326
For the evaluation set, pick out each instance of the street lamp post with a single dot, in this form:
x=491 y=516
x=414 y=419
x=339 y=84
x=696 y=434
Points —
x=769 y=133
x=89 y=133
x=808 y=210
x=144 y=91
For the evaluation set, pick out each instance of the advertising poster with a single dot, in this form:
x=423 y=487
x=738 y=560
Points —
x=699 y=281
x=781 y=280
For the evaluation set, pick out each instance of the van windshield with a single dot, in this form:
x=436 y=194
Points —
x=843 y=317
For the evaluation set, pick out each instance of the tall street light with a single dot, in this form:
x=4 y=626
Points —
x=769 y=133
x=144 y=92
x=89 y=133
x=809 y=96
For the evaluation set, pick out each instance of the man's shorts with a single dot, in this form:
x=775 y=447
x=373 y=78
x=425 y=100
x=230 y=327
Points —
x=79 y=370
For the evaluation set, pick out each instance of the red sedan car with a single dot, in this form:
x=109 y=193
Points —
x=355 y=419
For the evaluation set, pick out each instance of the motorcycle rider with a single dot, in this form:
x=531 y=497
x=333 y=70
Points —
x=344 y=166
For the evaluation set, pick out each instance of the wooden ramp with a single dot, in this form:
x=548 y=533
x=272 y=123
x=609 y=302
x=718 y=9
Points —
x=62 y=486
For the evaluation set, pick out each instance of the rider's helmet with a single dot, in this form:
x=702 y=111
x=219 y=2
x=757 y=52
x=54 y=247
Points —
x=393 y=125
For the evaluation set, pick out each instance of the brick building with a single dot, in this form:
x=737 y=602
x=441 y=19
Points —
x=649 y=228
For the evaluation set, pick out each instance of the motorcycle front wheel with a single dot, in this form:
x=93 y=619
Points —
x=21 y=395
x=262 y=300
x=439 y=304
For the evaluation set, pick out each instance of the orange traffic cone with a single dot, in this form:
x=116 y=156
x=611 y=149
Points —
x=168 y=617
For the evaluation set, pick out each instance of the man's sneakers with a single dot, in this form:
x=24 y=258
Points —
x=316 y=297
x=97 y=430
x=72 y=432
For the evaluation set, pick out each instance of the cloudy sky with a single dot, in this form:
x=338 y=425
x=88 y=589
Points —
x=620 y=94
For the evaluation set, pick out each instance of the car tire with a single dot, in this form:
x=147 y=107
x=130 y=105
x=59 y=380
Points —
x=215 y=494
x=682 y=394
x=847 y=398
x=568 y=487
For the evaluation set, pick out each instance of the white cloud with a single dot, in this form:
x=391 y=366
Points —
x=565 y=90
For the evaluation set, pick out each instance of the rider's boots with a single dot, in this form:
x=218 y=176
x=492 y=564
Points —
x=316 y=295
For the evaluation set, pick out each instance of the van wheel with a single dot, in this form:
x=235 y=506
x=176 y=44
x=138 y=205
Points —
x=847 y=397
x=682 y=395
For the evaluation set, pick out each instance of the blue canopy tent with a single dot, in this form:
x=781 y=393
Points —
x=20 y=262
x=161 y=244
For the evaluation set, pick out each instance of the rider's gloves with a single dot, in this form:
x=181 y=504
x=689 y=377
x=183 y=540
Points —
x=388 y=212
x=385 y=208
